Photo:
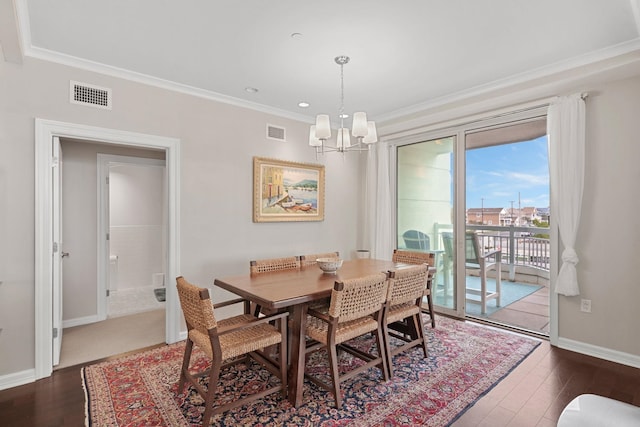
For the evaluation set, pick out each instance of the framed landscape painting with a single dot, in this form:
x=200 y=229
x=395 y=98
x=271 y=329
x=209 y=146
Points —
x=287 y=191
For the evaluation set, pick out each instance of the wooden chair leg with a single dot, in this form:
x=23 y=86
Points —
x=382 y=353
x=214 y=376
x=387 y=349
x=335 y=374
x=420 y=330
x=185 y=365
x=431 y=313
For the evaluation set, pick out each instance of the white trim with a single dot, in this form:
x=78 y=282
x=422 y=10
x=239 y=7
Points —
x=600 y=352
x=79 y=321
x=45 y=130
x=17 y=378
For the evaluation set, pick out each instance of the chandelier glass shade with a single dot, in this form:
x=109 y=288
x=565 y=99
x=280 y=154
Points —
x=364 y=132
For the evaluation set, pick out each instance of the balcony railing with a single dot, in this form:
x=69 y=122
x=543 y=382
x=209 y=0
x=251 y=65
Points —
x=518 y=244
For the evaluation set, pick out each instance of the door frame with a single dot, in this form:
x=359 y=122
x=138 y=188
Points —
x=45 y=130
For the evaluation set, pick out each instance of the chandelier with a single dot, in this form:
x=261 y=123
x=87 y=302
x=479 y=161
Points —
x=362 y=130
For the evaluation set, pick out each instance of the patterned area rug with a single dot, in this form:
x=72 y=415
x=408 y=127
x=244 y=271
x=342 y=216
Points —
x=465 y=361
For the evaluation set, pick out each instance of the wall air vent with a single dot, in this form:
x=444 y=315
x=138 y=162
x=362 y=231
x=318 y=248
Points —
x=91 y=95
x=275 y=132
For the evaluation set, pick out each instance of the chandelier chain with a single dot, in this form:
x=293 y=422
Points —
x=341 y=92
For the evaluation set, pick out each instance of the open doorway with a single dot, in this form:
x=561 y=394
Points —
x=507 y=213
x=113 y=205
x=48 y=253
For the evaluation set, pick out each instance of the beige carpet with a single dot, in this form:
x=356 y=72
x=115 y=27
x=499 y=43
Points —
x=87 y=343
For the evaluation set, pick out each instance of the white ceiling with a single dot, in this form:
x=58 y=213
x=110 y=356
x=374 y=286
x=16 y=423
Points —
x=404 y=54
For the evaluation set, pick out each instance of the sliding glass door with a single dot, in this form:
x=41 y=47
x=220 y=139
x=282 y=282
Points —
x=481 y=190
x=425 y=208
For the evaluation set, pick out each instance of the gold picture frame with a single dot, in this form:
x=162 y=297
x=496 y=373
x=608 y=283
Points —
x=287 y=191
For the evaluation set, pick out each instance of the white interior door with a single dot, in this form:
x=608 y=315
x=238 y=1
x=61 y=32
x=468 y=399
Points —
x=57 y=253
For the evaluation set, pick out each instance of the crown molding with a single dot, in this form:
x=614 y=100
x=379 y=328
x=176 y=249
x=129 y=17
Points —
x=96 y=67
x=603 y=55
x=31 y=51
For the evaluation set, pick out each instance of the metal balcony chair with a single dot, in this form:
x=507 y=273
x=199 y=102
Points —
x=228 y=342
x=417 y=240
x=475 y=259
x=410 y=257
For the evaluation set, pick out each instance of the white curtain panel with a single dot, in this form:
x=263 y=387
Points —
x=378 y=228
x=566 y=136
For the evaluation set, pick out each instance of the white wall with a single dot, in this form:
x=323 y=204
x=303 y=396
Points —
x=608 y=242
x=136 y=223
x=218 y=143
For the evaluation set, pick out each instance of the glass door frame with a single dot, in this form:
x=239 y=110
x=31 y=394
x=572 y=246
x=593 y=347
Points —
x=458 y=195
x=459 y=131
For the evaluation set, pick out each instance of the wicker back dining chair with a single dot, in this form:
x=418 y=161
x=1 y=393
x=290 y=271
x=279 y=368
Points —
x=270 y=265
x=224 y=341
x=274 y=264
x=402 y=318
x=411 y=257
x=355 y=309
x=307 y=260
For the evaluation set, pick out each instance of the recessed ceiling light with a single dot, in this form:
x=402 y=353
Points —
x=251 y=89
x=296 y=36
x=303 y=104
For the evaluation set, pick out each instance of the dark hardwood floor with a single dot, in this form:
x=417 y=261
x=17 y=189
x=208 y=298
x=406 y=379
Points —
x=534 y=394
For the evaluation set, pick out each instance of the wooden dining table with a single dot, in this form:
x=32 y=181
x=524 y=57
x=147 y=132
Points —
x=294 y=290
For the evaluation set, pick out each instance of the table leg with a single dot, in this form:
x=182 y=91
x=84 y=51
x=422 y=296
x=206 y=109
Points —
x=296 y=368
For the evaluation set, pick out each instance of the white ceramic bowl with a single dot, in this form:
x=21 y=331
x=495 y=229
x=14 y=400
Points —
x=329 y=265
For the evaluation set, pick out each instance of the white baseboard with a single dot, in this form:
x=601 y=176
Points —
x=600 y=352
x=78 y=321
x=17 y=378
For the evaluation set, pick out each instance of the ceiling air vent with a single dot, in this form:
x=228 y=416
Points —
x=275 y=132
x=93 y=96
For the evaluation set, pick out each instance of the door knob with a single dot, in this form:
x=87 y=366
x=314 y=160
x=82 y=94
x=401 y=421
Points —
x=64 y=254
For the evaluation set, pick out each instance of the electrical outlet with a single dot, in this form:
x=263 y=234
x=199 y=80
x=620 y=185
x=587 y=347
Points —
x=585 y=305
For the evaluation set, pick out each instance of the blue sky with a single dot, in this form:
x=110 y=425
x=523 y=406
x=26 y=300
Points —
x=499 y=173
